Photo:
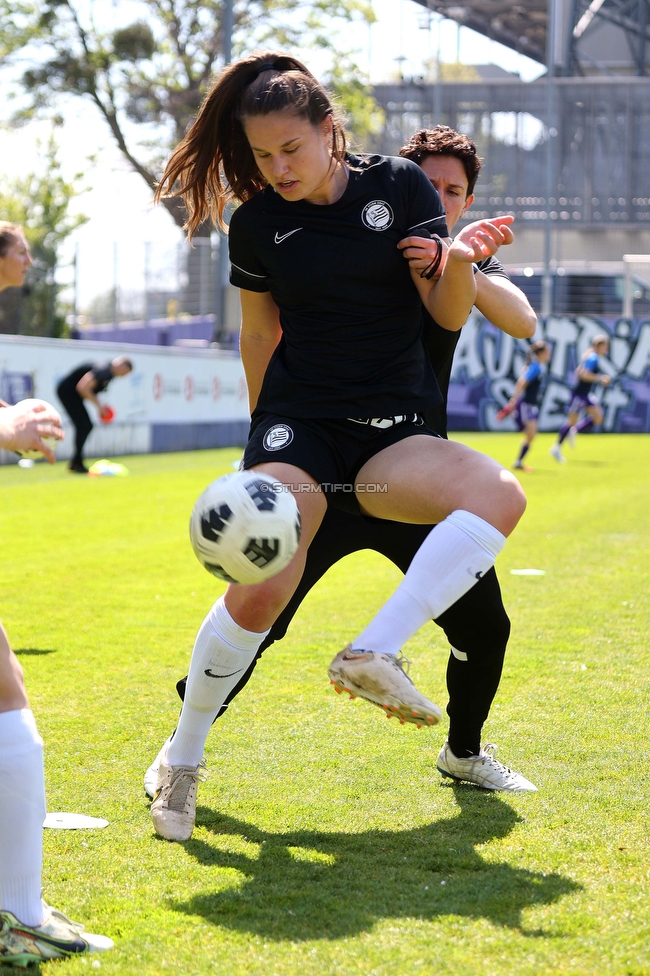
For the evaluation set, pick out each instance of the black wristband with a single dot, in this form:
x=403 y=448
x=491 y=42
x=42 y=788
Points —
x=431 y=269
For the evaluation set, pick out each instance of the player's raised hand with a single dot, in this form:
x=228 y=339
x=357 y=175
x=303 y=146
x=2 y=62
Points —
x=482 y=238
x=23 y=426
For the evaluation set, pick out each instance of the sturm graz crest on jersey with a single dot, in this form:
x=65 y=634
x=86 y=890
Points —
x=377 y=215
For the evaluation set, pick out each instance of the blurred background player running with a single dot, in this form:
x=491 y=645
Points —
x=526 y=397
x=583 y=400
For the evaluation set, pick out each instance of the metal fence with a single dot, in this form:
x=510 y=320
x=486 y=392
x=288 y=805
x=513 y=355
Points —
x=600 y=130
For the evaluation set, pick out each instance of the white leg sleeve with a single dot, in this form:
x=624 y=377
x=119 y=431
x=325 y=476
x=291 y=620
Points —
x=22 y=812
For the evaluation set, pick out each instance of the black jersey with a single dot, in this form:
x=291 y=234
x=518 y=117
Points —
x=351 y=316
x=440 y=345
x=101 y=373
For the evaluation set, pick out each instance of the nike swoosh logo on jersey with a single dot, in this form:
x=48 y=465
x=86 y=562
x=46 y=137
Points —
x=211 y=675
x=282 y=237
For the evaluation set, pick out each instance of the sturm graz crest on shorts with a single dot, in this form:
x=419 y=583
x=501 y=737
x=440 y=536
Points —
x=277 y=437
x=377 y=215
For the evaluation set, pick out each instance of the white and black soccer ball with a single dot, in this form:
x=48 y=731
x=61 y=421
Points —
x=245 y=527
x=51 y=442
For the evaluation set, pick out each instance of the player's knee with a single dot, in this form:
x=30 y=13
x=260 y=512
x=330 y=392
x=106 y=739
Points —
x=255 y=608
x=513 y=500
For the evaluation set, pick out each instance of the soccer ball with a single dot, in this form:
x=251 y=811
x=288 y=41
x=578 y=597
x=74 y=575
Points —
x=245 y=527
x=51 y=442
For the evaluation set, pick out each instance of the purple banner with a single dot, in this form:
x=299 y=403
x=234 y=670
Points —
x=487 y=364
x=16 y=386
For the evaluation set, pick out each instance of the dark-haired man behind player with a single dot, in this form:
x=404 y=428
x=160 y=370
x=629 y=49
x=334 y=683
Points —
x=477 y=625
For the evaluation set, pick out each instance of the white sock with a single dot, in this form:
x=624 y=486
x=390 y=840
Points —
x=454 y=555
x=226 y=651
x=22 y=812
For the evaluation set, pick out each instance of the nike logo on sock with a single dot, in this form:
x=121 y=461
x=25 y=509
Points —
x=282 y=237
x=209 y=673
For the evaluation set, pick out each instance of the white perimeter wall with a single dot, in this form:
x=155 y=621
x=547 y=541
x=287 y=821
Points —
x=168 y=386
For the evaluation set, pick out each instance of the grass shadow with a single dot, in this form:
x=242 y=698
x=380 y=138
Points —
x=34 y=650
x=304 y=885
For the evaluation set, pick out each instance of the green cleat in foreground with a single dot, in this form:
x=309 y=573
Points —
x=57 y=938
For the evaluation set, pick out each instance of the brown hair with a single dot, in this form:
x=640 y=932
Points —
x=9 y=235
x=443 y=141
x=214 y=163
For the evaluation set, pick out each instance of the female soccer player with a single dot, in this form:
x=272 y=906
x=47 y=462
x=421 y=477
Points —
x=337 y=378
x=526 y=396
x=30 y=931
x=582 y=399
x=477 y=625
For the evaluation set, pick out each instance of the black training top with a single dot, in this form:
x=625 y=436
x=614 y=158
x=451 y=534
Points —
x=440 y=345
x=101 y=373
x=351 y=316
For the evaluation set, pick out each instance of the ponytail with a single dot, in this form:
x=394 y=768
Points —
x=214 y=163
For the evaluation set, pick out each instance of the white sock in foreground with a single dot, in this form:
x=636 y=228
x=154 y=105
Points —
x=22 y=812
x=450 y=561
x=223 y=652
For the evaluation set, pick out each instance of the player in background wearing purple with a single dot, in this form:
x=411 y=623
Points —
x=30 y=930
x=526 y=396
x=583 y=400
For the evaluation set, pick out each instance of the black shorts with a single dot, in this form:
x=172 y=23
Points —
x=332 y=451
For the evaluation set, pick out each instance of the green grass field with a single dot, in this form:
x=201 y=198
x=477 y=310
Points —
x=326 y=843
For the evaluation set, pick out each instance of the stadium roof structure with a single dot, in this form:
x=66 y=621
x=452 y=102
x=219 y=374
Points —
x=607 y=37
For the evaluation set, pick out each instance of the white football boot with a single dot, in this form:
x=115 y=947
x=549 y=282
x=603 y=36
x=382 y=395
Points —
x=151 y=775
x=483 y=770
x=56 y=938
x=173 y=808
x=382 y=680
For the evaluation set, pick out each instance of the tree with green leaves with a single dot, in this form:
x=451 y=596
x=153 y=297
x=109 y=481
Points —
x=155 y=70
x=40 y=203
